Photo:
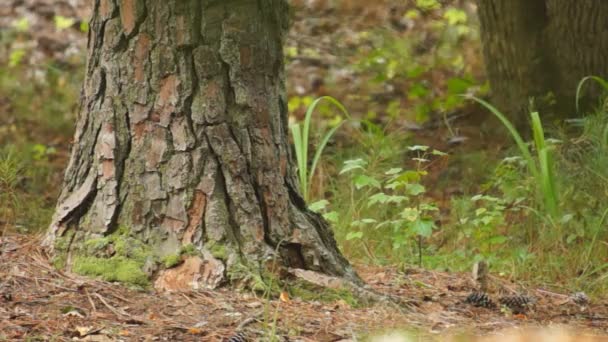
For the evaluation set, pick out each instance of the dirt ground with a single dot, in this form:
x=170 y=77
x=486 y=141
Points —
x=38 y=302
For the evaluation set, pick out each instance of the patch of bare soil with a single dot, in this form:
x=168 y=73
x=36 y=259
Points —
x=38 y=302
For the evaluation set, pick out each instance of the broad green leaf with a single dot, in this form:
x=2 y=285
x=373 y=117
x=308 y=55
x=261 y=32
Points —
x=393 y=171
x=398 y=199
x=353 y=164
x=418 y=148
x=415 y=189
x=354 y=235
x=422 y=227
x=331 y=216
x=476 y=198
x=362 y=181
x=84 y=26
x=428 y=5
x=410 y=214
x=380 y=197
x=497 y=240
x=22 y=24
x=62 y=23
x=362 y=222
x=455 y=16
x=318 y=205
x=15 y=57
x=409 y=176
x=428 y=207
x=566 y=218
x=294 y=103
x=458 y=85
x=486 y=220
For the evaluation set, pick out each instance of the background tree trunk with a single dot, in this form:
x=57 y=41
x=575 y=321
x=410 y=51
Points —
x=182 y=140
x=517 y=63
x=542 y=49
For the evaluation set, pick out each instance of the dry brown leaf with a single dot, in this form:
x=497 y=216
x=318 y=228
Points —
x=84 y=331
x=195 y=331
x=284 y=297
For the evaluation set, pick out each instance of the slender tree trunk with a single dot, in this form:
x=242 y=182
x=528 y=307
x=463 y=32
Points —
x=541 y=49
x=182 y=141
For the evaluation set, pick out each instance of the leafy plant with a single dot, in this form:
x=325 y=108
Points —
x=410 y=215
x=301 y=136
x=483 y=221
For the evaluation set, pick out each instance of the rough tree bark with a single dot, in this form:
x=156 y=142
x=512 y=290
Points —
x=182 y=144
x=535 y=48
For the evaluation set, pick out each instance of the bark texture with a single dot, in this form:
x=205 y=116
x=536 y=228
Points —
x=182 y=138
x=542 y=49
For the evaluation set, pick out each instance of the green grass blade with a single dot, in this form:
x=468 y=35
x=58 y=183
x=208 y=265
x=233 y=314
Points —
x=518 y=139
x=320 y=149
x=537 y=131
x=300 y=160
x=548 y=182
x=604 y=138
x=304 y=136
x=579 y=87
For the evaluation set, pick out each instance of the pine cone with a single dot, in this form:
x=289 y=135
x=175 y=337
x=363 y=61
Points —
x=580 y=298
x=517 y=304
x=238 y=337
x=480 y=299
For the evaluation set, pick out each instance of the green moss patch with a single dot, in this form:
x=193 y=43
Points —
x=310 y=292
x=172 y=260
x=218 y=251
x=117 y=268
x=116 y=257
x=189 y=250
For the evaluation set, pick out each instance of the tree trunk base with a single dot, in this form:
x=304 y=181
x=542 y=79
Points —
x=181 y=169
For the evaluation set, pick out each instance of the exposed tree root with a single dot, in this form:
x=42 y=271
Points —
x=360 y=291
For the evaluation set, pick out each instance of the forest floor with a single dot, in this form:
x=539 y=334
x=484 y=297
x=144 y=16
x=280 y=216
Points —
x=37 y=302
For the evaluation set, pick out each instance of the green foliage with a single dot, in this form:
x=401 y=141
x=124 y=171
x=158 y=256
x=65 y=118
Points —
x=10 y=169
x=21 y=25
x=301 y=136
x=482 y=222
x=409 y=62
x=39 y=106
x=62 y=23
x=541 y=168
x=396 y=202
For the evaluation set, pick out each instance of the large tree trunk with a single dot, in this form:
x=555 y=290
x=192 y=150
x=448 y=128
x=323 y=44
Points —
x=182 y=141
x=517 y=63
x=542 y=49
